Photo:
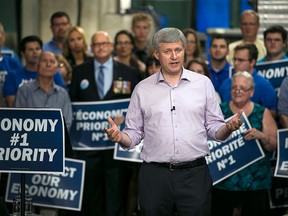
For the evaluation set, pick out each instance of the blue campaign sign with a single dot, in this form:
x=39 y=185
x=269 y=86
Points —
x=132 y=155
x=89 y=121
x=63 y=191
x=274 y=71
x=278 y=193
x=227 y=158
x=281 y=169
x=32 y=140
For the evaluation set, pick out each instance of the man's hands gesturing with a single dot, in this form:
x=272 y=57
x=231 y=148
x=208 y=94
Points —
x=235 y=122
x=113 y=132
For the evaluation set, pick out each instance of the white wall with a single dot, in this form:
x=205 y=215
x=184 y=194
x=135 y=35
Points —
x=96 y=15
x=30 y=17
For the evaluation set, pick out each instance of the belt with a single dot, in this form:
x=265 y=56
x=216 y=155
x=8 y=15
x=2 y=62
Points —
x=182 y=165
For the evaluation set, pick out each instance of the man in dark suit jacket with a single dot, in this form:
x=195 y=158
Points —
x=104 y=182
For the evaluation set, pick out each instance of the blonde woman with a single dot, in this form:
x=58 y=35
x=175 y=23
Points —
x=75 y=48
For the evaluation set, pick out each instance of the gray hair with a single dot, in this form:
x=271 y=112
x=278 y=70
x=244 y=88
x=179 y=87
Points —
x=106 y=34
x=246 y=75
x=168 y=35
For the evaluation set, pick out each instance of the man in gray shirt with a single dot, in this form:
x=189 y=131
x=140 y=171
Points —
x=43 y=92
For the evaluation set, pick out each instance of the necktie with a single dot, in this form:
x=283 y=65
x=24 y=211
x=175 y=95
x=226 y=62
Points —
x=100 y=82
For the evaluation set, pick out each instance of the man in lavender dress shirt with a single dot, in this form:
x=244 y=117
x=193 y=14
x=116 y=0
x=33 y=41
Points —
x=174 y=111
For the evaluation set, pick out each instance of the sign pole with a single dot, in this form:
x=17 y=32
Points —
x=22 y=194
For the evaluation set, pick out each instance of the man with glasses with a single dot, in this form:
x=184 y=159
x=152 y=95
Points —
x=97 y=80
x=43 y=92
x=245 y=57
x=249 y=28
x=59 y=24
x=275 y=39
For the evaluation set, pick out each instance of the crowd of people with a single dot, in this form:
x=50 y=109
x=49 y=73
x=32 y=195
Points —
x=161 y=72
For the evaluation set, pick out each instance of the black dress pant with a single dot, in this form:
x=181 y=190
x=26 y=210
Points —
x=163 y=191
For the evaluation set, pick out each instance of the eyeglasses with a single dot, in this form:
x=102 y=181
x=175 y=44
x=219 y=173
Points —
x=49 y=61
x=103 y=44
x=270 y=40
x=124 y=43
x=249 y=24
x=240 y=60
x=240 y=89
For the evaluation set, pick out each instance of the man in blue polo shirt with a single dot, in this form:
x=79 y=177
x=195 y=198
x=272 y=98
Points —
x=218 y=65
x=5 y=51
x=7 y=65
x=30 y=49
x=245 y=57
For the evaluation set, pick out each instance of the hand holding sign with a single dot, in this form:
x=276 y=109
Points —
x=253 y=133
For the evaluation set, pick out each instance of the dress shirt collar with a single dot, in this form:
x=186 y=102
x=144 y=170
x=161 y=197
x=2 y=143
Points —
x=107 y=64
x=186 y=75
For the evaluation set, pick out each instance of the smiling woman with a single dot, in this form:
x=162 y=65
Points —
x=251 y=183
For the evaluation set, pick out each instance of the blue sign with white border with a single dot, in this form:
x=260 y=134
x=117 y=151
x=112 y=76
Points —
x=132 y=155
x=274 y=71
x=227 y=158
x=32 y=140
x=281 y=169
x=278 y=193
x=64 y=191
x=90 y=120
